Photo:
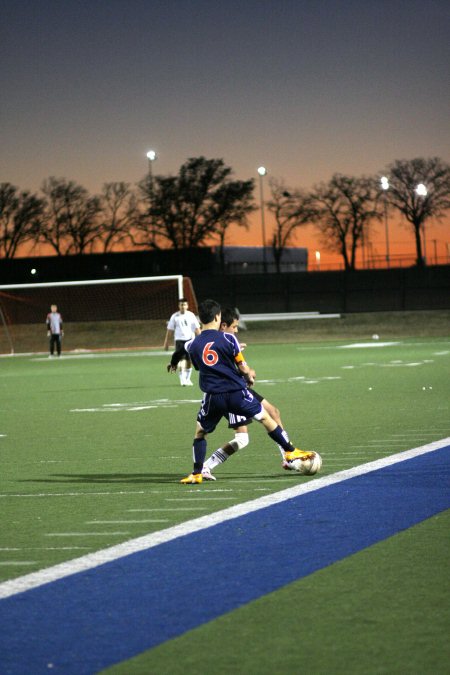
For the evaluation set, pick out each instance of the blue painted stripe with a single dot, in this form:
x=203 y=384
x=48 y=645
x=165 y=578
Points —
x=93 y=619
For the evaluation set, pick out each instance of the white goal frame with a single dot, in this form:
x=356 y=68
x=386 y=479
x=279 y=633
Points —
x=93 y=282
x=87 y=282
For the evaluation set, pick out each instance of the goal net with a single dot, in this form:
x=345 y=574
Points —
x=97 y=314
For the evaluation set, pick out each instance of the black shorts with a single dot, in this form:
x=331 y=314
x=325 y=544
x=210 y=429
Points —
x=179 y=354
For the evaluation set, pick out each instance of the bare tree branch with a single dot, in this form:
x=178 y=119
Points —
x=404 y=177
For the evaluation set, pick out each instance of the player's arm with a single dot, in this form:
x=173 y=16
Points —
x=169 y=338
x=247 y=373
x=187 y=347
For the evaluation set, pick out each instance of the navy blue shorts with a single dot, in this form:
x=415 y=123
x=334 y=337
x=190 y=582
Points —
x=236 y=421
x=214 y=406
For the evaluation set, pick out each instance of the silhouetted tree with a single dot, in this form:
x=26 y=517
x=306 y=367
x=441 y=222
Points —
x=291 y=209
x=232 y=205
x=71 y=219
x=119 y=214
x=342 y=211
x=404 y=177
x=20 y=215
x=201 y=202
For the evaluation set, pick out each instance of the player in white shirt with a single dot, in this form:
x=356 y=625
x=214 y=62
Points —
x=183 y=326
x=54 y=329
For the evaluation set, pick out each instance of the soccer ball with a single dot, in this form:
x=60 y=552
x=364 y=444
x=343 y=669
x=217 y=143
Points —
x=307 y=466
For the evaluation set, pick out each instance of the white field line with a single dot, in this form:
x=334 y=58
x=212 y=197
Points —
x=48 y=548
x=177 y=508
x=363 y=345
x=82 y=534
x=74 y=494
x=124 y=522
x=195 y=495
x=97 y=355
x=92 y=560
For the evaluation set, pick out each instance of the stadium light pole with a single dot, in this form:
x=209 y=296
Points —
x=151 y=156
x=262 y=172
x=421 y=191
x=385 y=187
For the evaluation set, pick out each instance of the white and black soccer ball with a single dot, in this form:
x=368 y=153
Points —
x=308 y=465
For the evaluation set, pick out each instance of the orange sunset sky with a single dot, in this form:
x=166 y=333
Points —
x=305 y=88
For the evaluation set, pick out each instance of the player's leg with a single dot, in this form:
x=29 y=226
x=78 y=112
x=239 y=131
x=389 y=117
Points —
x=182 y=357
x=188 y=372
x=223 y=453
x=207 y=419
x=275 y=414
x=281 y=438
x=58 y=344
x=250 y=406
x=198 y=456
x=182 y=372
x=176 y=361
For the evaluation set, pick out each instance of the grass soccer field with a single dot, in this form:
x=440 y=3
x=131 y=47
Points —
x=93 y=446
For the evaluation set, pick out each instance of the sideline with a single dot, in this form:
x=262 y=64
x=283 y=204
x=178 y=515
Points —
x=113 y=553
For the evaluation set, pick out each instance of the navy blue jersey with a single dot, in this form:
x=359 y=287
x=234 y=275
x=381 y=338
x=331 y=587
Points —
x=213 y=353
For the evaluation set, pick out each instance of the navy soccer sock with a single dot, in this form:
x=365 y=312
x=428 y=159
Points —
x=199 y=450
x=281 y=437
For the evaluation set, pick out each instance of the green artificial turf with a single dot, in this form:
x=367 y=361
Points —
x=93 y=447
x=87 y=439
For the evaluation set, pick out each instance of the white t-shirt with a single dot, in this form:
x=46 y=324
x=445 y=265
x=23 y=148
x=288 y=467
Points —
x=183 y=325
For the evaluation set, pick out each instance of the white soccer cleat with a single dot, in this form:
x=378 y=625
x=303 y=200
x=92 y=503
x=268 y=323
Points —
x=207 y=475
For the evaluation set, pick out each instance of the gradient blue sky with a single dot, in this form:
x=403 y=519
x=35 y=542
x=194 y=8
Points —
x=306 y=87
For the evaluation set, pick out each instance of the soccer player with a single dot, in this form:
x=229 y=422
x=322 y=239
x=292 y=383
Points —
x=184 y=325
x=230 y=324
x=54 y=330
x=216 y=354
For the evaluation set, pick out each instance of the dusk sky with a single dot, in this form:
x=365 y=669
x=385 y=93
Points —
x=307 y=88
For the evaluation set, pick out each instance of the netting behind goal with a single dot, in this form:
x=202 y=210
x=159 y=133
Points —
x=96 y=314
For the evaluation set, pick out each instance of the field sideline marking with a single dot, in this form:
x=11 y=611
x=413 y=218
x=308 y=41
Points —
x=92 y=560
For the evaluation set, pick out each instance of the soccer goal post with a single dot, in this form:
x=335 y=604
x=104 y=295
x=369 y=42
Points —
x=100 y=313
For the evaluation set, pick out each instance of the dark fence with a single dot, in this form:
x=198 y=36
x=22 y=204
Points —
x=344 y=292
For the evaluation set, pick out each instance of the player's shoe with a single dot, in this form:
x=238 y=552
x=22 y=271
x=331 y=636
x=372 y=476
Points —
x=298 y=454
x=207 y=475
x=192 y=479
x=188 y=383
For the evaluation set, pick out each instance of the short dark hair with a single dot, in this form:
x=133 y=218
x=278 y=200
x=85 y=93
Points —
x=207 y=310
x=229 y=314
x=182 y=300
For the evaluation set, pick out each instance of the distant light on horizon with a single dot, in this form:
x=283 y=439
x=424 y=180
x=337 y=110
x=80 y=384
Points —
x=151 y=155
x=262 y=170
x=384 y=182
